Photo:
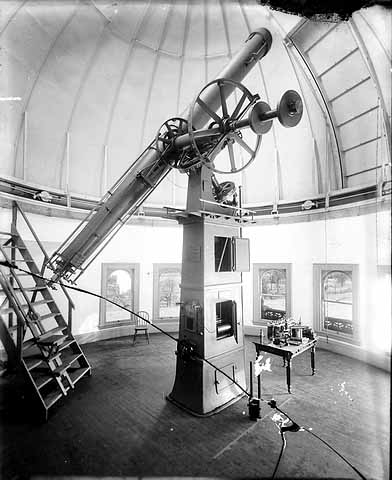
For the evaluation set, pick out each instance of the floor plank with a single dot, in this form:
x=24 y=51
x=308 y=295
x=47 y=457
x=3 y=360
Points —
x=118 y=423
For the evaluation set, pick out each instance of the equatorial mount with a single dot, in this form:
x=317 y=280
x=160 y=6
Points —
x=193 y=147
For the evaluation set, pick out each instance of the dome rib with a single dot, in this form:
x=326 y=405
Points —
x=20 y=129
x=123 y=74
x=182 y=56
x=277 y=179
x=153 y=77
x=12 y=16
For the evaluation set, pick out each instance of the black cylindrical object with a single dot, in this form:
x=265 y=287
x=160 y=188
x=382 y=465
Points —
x=254 y=409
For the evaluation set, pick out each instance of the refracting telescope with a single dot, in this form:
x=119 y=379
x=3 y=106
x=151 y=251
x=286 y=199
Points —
x=213 y=123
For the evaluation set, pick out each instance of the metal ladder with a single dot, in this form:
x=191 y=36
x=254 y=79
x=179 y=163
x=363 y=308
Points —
x=37 y=338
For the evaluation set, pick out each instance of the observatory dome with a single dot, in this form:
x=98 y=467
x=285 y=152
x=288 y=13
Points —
x=85 y=87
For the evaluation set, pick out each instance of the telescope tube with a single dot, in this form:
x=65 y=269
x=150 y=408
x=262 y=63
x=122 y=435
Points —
x=145 y=174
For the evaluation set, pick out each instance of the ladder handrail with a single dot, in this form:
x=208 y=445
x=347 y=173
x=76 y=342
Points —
x=46 y=256
x=16 y=305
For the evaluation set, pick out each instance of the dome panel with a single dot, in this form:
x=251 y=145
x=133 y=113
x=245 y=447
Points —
x=236 y=26
x=14 y=79
x=125 y=18
x=312 y=32
x=175 y=33
x=360 y=129
x=376 y=36
x=361 y=158
x=195 y=45
x=69 y=56
x=260 y=179
x=378 y=20
x=162 y=103
x=8 y=12
x=347 y=106
x=153 y=28
x=216 y=35
x=45 y=151
x=27 y=40
x=97 y=90
x=214 y=66
x=89 y=183
x=345 y=75
x=193 y=79
x=51 y=15
x=126 y=131
x=325 y=54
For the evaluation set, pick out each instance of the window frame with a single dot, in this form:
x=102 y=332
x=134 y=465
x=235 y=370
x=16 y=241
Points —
x=106 y=270
x=158 y=268
x=257 y=320
x=320 y=271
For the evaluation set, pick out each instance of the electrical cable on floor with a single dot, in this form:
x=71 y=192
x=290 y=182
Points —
x=283 y=448
x=272 y=403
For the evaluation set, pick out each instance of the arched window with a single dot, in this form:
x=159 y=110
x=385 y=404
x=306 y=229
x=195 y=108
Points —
x=337 y=302
x=167 y=278
x=272 y=291
x=120 y=283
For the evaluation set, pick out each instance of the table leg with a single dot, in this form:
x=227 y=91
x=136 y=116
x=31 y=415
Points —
x=288 y=374
x=312 y=359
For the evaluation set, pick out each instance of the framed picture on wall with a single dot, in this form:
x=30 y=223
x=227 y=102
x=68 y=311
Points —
x=120 y=284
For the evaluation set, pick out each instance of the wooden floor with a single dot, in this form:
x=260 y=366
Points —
x=118 y=423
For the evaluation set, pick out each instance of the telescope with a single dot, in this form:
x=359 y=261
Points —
x=188 y=142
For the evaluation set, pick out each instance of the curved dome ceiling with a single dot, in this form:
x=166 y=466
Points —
x=88 y=84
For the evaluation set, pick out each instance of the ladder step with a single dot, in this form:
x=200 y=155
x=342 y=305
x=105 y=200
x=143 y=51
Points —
x=29 y=289
x=31 y=342
x=51 y=337
x=66 y=344
x=15 y=247
x=52 y=398
x=43 y=379
x=33 y=361
x=78 y=373
x=40 y=302
x=4 y=311
x=6 y=233
x=68 y=362
x=48 y=315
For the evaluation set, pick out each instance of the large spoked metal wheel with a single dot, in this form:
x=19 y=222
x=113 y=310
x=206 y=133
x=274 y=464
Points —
x=213 y=108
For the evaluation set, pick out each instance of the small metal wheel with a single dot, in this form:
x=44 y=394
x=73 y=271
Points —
x=211 y=107
x=168 y=131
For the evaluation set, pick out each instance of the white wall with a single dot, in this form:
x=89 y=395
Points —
x=351 y=240
x=145 y=245
x=363 y=240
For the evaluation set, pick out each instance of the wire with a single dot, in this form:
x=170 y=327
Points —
x=337 y=453
x=272 y=403
x=283 y=448
x=82 y=290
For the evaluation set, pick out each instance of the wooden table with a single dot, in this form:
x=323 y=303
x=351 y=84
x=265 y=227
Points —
x=288 y=353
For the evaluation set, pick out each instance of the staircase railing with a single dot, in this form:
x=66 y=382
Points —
x=17 y=208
